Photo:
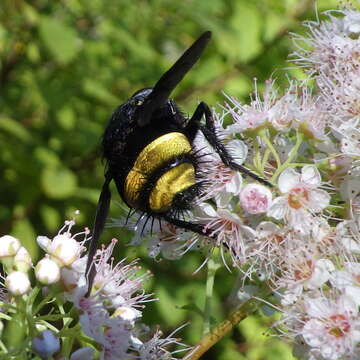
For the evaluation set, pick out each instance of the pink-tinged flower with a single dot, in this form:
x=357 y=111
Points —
x=301 y=198
x=255 y=198
x=339 y=89
x=218 y=177
x=170 y=241
x=265 y=251
x=111 y=333
x=299 y=274
x=348 y=280
x=119 y=284
x=332 y=326
x=347 y=237
x=253 y=116
x=226 y=228
x=156 y=347
x=328 y=42
x=349 y=134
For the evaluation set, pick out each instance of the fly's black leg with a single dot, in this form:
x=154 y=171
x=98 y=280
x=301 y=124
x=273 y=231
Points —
x=196 y=228
x=100 y=218
x=209 y=132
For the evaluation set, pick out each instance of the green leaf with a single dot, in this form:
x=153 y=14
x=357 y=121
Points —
x=167 y=306
x=14 y=128
x=193 y=308
x=60 y=39
x=66 y=118
x=94 y=89
x=58 y=182
x=50 y=217
x=24 y=231
x=46 y=156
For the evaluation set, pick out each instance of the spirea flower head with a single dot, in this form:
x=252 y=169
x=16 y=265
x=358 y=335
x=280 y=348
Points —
x=109 y=316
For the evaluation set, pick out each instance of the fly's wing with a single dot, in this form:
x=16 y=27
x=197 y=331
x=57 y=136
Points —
x=100 y=218
x=170 y=79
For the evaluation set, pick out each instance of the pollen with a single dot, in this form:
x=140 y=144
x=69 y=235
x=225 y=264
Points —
x=340 y=326
x=298 y=197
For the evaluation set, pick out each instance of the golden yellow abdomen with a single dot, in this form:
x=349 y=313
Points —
x=155 y=155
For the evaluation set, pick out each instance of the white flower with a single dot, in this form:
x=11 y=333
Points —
x=22 y=260
x=156 y=348
x=64 y=249
x=218 y=177
x=127 y=313
x=333 y=326
x=255 y=115
x=255 y=198
x=348 y=281
x=301 y=198
x=18 y=283
x=226 y=228
x=9 y=246
x=304 y=275
x=47 y=271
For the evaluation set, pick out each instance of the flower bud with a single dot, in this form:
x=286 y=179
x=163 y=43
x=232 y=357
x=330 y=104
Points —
x=255 y=198
x=44 y=242
x=83 y=353
x=9 y=246
x=17 y=283
x=22 y=260
x=64 y=249
x=46 y=344
x=47 y=271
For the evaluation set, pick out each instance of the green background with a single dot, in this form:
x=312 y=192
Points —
x=65 y=65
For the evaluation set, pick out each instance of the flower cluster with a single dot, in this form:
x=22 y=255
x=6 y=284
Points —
x=109 y=316
x=304 y=233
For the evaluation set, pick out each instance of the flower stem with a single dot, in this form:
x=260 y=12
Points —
x=213 y=265
x=270 y=146
x=221 y=330
x=292 y=154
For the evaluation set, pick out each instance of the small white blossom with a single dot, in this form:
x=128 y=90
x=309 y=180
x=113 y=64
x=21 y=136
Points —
x=22 y=260
x=9 y=246
x=301 y=198
x=333 y=326
x=18 y=283
x=47 y=271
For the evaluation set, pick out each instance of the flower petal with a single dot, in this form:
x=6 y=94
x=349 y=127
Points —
x=310 y=175
x=288 y=179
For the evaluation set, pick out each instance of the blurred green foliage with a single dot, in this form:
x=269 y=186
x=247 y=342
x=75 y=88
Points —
x=65 y=65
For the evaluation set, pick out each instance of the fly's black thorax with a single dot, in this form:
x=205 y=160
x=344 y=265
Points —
x=153 y=166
